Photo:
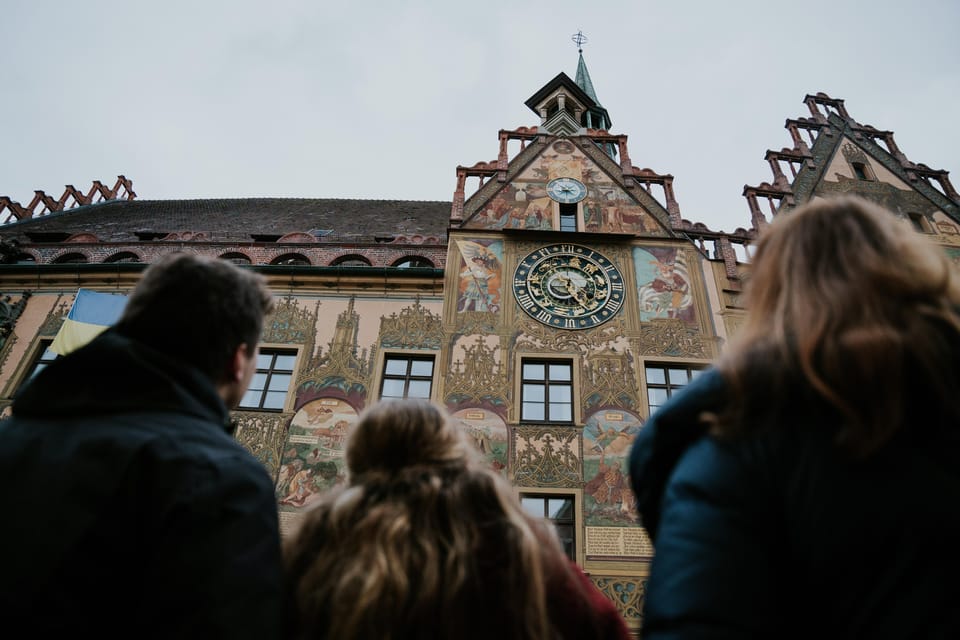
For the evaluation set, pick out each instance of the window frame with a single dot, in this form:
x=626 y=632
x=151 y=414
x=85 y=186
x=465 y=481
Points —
x=571 y=384
x=576 y=526
x=274 y=351
x=28 y=364
x=919 y=222
x=570 y=212
x=668 y=385
x=408 y=376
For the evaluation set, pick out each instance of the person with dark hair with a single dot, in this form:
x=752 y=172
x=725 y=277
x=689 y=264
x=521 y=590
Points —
x=807 y=484
x=129 y=510
x=425 y=541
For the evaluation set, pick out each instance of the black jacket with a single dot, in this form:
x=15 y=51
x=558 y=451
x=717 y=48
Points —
x=128 y=509
x=782 y=534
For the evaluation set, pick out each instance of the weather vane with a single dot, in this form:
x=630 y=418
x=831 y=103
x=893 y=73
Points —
x=580 y=39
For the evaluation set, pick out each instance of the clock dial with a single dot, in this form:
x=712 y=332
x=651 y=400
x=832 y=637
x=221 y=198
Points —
x=568 y=286
x=566 y=190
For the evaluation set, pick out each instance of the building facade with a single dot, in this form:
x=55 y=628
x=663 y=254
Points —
x=556 y=302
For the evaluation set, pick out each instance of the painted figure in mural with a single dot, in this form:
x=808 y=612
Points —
x=425 y=541
x=287 y=473
x=476 y=291
x=668 y=293
x=302 y=486
x=479 y=279
x=607 y=486
x=129 y=507
x=821 y=455
x=672 y=285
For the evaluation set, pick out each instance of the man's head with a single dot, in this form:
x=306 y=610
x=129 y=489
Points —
x=206 y=312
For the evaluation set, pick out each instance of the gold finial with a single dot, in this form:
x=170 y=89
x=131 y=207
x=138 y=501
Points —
x=580 y=39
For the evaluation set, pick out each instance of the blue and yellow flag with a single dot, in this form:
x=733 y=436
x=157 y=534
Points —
x=92 y=312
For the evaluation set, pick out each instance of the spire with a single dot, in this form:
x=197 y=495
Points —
x=583 y=79
x=597 y=116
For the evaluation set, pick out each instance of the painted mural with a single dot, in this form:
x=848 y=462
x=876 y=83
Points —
x=663 y=284
x=335 y=386
x=524 y=203
x=488 y=432
x=607 y=438
x=312 y=461
x=947 y=228
x=954 y=255
x=479 y=275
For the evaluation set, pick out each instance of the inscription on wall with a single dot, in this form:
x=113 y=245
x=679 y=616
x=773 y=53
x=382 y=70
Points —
x=620 y=542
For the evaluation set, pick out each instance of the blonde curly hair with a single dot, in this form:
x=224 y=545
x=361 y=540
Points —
x=424 y=541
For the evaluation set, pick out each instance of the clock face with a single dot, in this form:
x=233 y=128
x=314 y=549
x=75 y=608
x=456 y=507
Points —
x=568 y=286
x=566 y=190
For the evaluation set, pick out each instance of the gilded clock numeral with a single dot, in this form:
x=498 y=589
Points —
x=525 y=301
x=543 y=316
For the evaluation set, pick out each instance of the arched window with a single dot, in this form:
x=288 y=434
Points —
x=123 y=256
x=413 y=262
x=350 y=261
x=297 y=259
x=236 y=258
x=71 y=258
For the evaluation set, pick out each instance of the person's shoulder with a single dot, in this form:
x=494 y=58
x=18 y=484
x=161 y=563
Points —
x=186 y=442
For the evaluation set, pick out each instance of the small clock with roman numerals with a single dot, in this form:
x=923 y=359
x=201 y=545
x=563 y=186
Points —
x=568 y=286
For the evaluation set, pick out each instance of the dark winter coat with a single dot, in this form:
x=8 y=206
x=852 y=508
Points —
x=783 y=534
x=128 y=508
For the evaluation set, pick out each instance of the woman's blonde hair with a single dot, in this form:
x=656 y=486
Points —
x=423 y=542
x=847 y=304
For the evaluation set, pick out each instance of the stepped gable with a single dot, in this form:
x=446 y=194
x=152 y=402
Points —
x=238 y=220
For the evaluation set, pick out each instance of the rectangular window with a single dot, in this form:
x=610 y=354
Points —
x=271 y=382
x=546 y=391
x=568 y=217
x=663 y=380
x=560 y=510
x=919 y=222
x=43 y=358
x=407 y=377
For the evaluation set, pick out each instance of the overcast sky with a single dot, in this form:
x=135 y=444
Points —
x=382 y=100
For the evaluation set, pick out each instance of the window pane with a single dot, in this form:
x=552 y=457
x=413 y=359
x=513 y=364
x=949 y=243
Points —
x=561 y=412
x=274 y=400
x=678 y=376
x=532 y=411
x=396 y=367
x=560 y=507
x=533 y=372
x=285 y=362
x=565 y=533
x=257 y=382
x=561 y=393
x=421 y=368
x=694 y=373
x=656 y=396
x=419 y=389
x=533 y=393
x=655 y=375
x=392 y=388
x=264 y=360
x=533 y=506
x=560 y=372
x=250 y=399
x=280 y=382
